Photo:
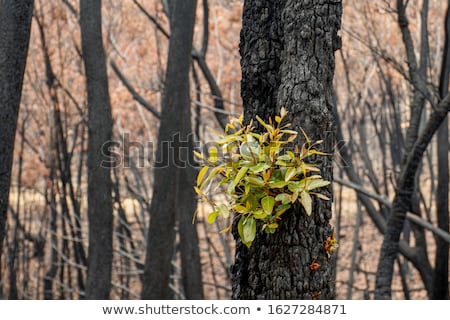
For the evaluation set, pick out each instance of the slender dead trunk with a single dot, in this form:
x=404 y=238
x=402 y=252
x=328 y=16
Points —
x=99 y=132
x=15 y=24
x=287 y=51
x=169 y=201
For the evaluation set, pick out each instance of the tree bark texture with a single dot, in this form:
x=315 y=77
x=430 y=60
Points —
x=15 y=24
x=99 y=131
x=440 y=275
x=169 y=201
x=287 y=59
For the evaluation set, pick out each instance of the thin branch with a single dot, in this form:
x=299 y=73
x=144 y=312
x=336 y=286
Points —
x=412 y=217
x=152 y=19
x=134 y=93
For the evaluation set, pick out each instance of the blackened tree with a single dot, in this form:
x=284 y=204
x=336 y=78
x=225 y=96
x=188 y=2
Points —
x=15 y=24
x=99 y=131
x=287 y=59
x=173 y=199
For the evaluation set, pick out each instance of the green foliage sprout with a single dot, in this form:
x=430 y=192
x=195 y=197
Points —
x=261 y=177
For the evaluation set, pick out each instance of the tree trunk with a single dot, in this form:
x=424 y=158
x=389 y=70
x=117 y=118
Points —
x=170 y=172
x=287 y=51
x=99 y=131
x=440 y=275
x=15 y=24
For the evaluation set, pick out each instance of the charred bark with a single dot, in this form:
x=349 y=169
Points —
x=169 y=201
x=287 y=58
x=99 y=131
x=15 y=24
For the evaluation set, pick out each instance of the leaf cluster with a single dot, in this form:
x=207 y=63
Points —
x=260 y=175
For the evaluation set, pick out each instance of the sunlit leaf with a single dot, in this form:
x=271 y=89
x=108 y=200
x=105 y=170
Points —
x=250 y=149
x=257 y=181
x=321 y=196
x=306 y=136
x=290 y=173
x=306 y=201
x=283 y=198
x=267 y=204
x=223 y=210
x=249 y=230
x=198 y=155
x=240 y=209
x=227 y=229
x=231 y=187
x=213 y=155
x=212 y=216
x=320 y=153
x=201 y=174
x=259 y=167
x=240 y=175
x=198 y=191
x=314 y=184
x=260 y=214
x=278 y=184
x=268 y=127
x=279 y=210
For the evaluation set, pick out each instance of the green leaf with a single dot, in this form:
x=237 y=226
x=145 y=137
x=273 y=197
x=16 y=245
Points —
x=268 y=127
x=240 y=175
x=284 y=157
x=259 y=167
x=212 y=216
x=296 y=186
x=306 y=201
x=240 y=209
x=290 y=173
x=259 y=214
x=254 y=180
x=241 y=228
x=279 y=210
x=250 y=149
x=278 y=184
x=231 y=188
x=214 y=171
x=213 y=155
x=223 y=210
x=267 y=204
x=201 y=174
x=283 y=198
x=319 y=183
x=198 y=191
x=249 y=230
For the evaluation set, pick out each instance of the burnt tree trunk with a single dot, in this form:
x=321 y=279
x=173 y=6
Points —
x=440 y=275
x=15 y=24
x=99 y=131
x=172 y=172
x=287 y=58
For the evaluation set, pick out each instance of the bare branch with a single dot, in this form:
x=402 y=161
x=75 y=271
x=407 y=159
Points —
x=134 y=93
x=152 y=19
x=412 y=217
